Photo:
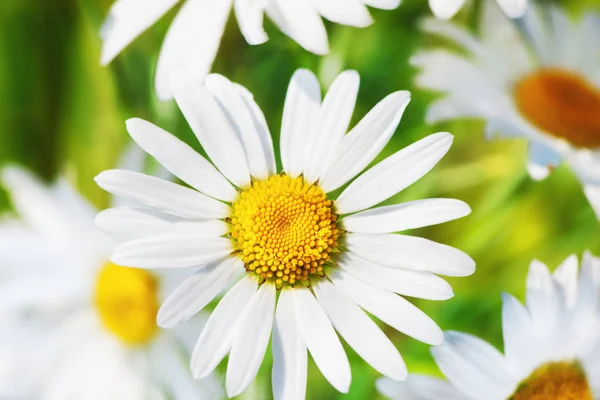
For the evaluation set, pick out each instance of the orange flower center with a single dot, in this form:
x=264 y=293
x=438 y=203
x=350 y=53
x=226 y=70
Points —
x=555 y=381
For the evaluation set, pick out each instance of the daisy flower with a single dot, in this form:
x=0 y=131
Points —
x=193 y=39
x=551 y=346
x=543 y=85
x=89 y=325
x=446 y=9
x=305 y=265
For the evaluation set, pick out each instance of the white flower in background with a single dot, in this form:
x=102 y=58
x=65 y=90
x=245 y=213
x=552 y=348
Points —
x=543 y=85
x=446 y=9
x=193 y=39
x=551 y=346
x=84 y=327
x=280 y=236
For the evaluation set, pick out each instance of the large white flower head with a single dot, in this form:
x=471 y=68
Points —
x=193 y=39
x=446 y=9
x=89 y=326
x=551 y=346
x=308 y=264
x=542 y=84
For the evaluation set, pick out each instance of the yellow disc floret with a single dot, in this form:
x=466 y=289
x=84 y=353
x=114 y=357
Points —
x=555 y=381
x=127 y=302
x=285 y=229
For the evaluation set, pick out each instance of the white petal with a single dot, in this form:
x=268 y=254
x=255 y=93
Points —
x=235 y=109
x=171 y=251
x=519 y=336
x=163 y=195
x=364 y=142
x=179 y=158
x=191 y=42
x=473 y=366
x=334 y=118
x=383 y=4
x=390 y=308
x=360 y=332
x=300 y=113
x=542 y=160
x=250 y=343
x=394 y=174
x=539 y=277
x=321 y=340
x=567 y=274
x=197 y=291
x=513 y=8
x=126 y=20
x=249 y=15
x=420 y=284
x=220 y=329
x=445 y=9
x=217 y=137
x=592 y=192
x=410 y=252
x=345 y=12
x=419 y=387
x=411 y=215
x=289 y=352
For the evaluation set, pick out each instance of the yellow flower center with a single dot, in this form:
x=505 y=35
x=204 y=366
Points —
x=563 y=104
x=126 y=300
x=285 y=229
x=555 y=381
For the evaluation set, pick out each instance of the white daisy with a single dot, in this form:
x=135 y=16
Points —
x=446 y=9
x=193 y=39
x=551 y=346
x=84 y=328
x=324 y=259
x=544 y=86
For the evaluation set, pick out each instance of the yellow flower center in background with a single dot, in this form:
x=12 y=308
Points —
x=285 y=229
x=127 y=302
x=555 y=381
x=563 y=104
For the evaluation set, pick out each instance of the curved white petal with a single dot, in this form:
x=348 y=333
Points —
x=180 y=159
x=364 y=142
x=394 y=174
x=513 y=8
x=445 y=9
x=383 y=4
x=160 y=194
x=410 y=252
x=592 y=192
x=249 y=15
x=171 y=251
x=345 y=12
x=192 y=42
x=520 y=347
x=419 y=387
x=197 y=291
x=410 y=215
x=289 y=352
x=359 y=331
x=542 y=160
x=390 y=308
x=567 y=274
x=250 y=343
x=321 y=340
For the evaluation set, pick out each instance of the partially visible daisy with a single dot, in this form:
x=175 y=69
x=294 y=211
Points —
x=551 y=346
x=193 y=39
x=446 y=9
x=543 y=86
x=280 y=236
x=84 y=327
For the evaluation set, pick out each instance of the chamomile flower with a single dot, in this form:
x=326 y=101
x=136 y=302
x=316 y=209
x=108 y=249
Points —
x=193 y=39
x=305 y=264
x=446 y=9
x=85 y=328
x=551 y=346
x=543 y=85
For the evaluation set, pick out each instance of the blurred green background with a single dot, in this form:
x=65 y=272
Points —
x=63 y=113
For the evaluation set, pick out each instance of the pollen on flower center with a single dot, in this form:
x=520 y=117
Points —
x=563 y=104
x=556 y=381
x=285 y=229
x=127 y=302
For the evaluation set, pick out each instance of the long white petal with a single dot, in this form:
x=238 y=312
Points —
x=171 y=251
x=592 y=192
x=220 y=329
x=249 y=15
x=361 y=333
x=180 y=159
x=392 y=309
x=410 y=252
x=197 y=291
x=250 y=343
x=160 y=194
x=192 y=42
x=410 y=215
x=513 y=8
x=419 y=387
x=321 y=340
x=126 y=20
x=394 y=174
x=364 y=142
x=289 y=352
x=383 y=4
x=345 y=12
x=520 y=347
x=210 y=125
x=445 y=9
